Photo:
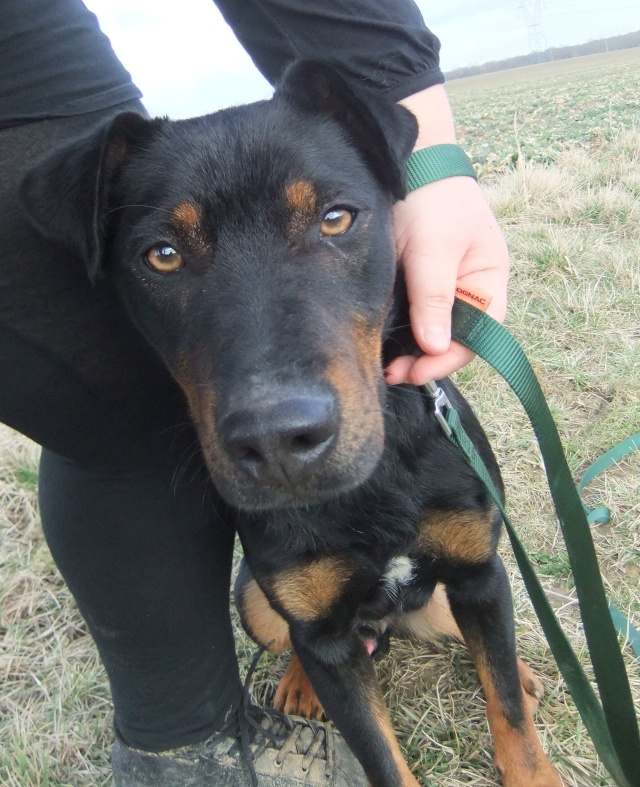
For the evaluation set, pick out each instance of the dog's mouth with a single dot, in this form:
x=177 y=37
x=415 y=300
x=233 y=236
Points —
x=249 y=494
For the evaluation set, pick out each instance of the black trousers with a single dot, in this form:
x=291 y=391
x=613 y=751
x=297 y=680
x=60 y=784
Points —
x=127 y=509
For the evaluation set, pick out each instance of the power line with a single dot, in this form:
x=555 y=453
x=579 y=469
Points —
x=531 y=10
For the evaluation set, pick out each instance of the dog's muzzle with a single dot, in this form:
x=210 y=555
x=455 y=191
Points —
x=283 y=443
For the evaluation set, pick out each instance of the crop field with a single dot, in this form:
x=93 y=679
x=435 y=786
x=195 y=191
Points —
x=538 y=111
x=558 y=149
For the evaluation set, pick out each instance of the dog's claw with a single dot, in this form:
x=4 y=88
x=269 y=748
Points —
x=296 y=696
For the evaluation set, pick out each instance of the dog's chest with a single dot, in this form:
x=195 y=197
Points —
x=399 y=573
x=395 y=590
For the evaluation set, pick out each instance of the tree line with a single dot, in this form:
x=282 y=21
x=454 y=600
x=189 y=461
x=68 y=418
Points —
x=625 y=41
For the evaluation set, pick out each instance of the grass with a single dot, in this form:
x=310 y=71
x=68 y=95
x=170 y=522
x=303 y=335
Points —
x=572 y=220
x=54 y=701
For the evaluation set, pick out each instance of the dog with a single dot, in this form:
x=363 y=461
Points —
x=253 y=249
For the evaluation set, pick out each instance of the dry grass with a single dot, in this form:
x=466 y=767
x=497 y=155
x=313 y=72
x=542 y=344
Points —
x=54 y=701
x=574 y=232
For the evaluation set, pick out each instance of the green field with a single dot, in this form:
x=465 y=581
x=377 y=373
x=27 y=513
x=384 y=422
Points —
x=558 y=146
x=538 y=111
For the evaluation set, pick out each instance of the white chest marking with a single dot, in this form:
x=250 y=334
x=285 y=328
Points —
x=400 y=571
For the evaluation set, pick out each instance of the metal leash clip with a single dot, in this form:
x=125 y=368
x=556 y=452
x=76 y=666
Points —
x=440 y=401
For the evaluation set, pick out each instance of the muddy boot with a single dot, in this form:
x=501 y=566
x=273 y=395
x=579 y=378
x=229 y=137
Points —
x=273 y=750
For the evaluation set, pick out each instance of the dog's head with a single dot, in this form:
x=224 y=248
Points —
x=253 y=249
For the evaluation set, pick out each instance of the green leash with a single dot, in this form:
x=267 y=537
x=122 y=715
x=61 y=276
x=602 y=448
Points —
x=612 y=725
x=602 y=515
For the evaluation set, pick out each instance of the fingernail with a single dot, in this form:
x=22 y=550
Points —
x=436 y=336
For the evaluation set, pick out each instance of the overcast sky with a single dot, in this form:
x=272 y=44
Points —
x=187 y=62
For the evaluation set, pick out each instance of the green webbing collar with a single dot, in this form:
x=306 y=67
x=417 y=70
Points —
x=437 y=163
x=612 y=726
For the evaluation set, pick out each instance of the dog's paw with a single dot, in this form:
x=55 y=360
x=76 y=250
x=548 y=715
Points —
x=296 y=696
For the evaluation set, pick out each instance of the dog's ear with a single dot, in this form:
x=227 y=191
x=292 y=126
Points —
x=66 y=196
x=384 y=132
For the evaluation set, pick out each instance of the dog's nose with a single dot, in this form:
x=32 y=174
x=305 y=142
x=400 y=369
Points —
x=285 y=442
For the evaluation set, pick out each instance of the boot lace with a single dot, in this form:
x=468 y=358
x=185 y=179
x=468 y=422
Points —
x=267 y=727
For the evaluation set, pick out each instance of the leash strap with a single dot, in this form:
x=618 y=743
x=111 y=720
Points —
x=612 y=725
x=601 y=515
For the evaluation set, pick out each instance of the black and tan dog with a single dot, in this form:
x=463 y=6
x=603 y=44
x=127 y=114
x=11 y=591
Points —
x=253 y=249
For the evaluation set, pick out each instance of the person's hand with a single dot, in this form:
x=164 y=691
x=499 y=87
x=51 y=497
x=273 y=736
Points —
x=445 y=232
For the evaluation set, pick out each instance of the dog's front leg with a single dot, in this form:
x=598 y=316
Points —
x=319 y=600
x=481 y=604
x=343 y=677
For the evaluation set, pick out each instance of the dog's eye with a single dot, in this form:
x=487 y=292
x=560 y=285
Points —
x=337 y=221
x=164 y=258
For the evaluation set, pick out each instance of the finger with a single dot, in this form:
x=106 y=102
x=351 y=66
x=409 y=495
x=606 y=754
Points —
x=398 y=370
x=431 y=287
x=435 y=367
x=418 y=371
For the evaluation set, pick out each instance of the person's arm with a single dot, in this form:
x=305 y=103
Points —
x=444 y=232
x=379 y=45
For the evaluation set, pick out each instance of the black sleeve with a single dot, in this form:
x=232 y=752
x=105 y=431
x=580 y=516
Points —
x=381 y=44
x=56 y=62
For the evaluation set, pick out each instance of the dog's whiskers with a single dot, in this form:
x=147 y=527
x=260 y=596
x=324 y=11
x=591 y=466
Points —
x=183 y=463
x=133 y=205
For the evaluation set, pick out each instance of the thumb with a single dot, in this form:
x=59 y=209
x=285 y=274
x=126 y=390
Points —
x=431 y=289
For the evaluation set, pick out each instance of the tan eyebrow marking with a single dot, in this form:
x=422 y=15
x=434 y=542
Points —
x=187 y=216
x=187 y=219
x=302 y=201
x=302 y=197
